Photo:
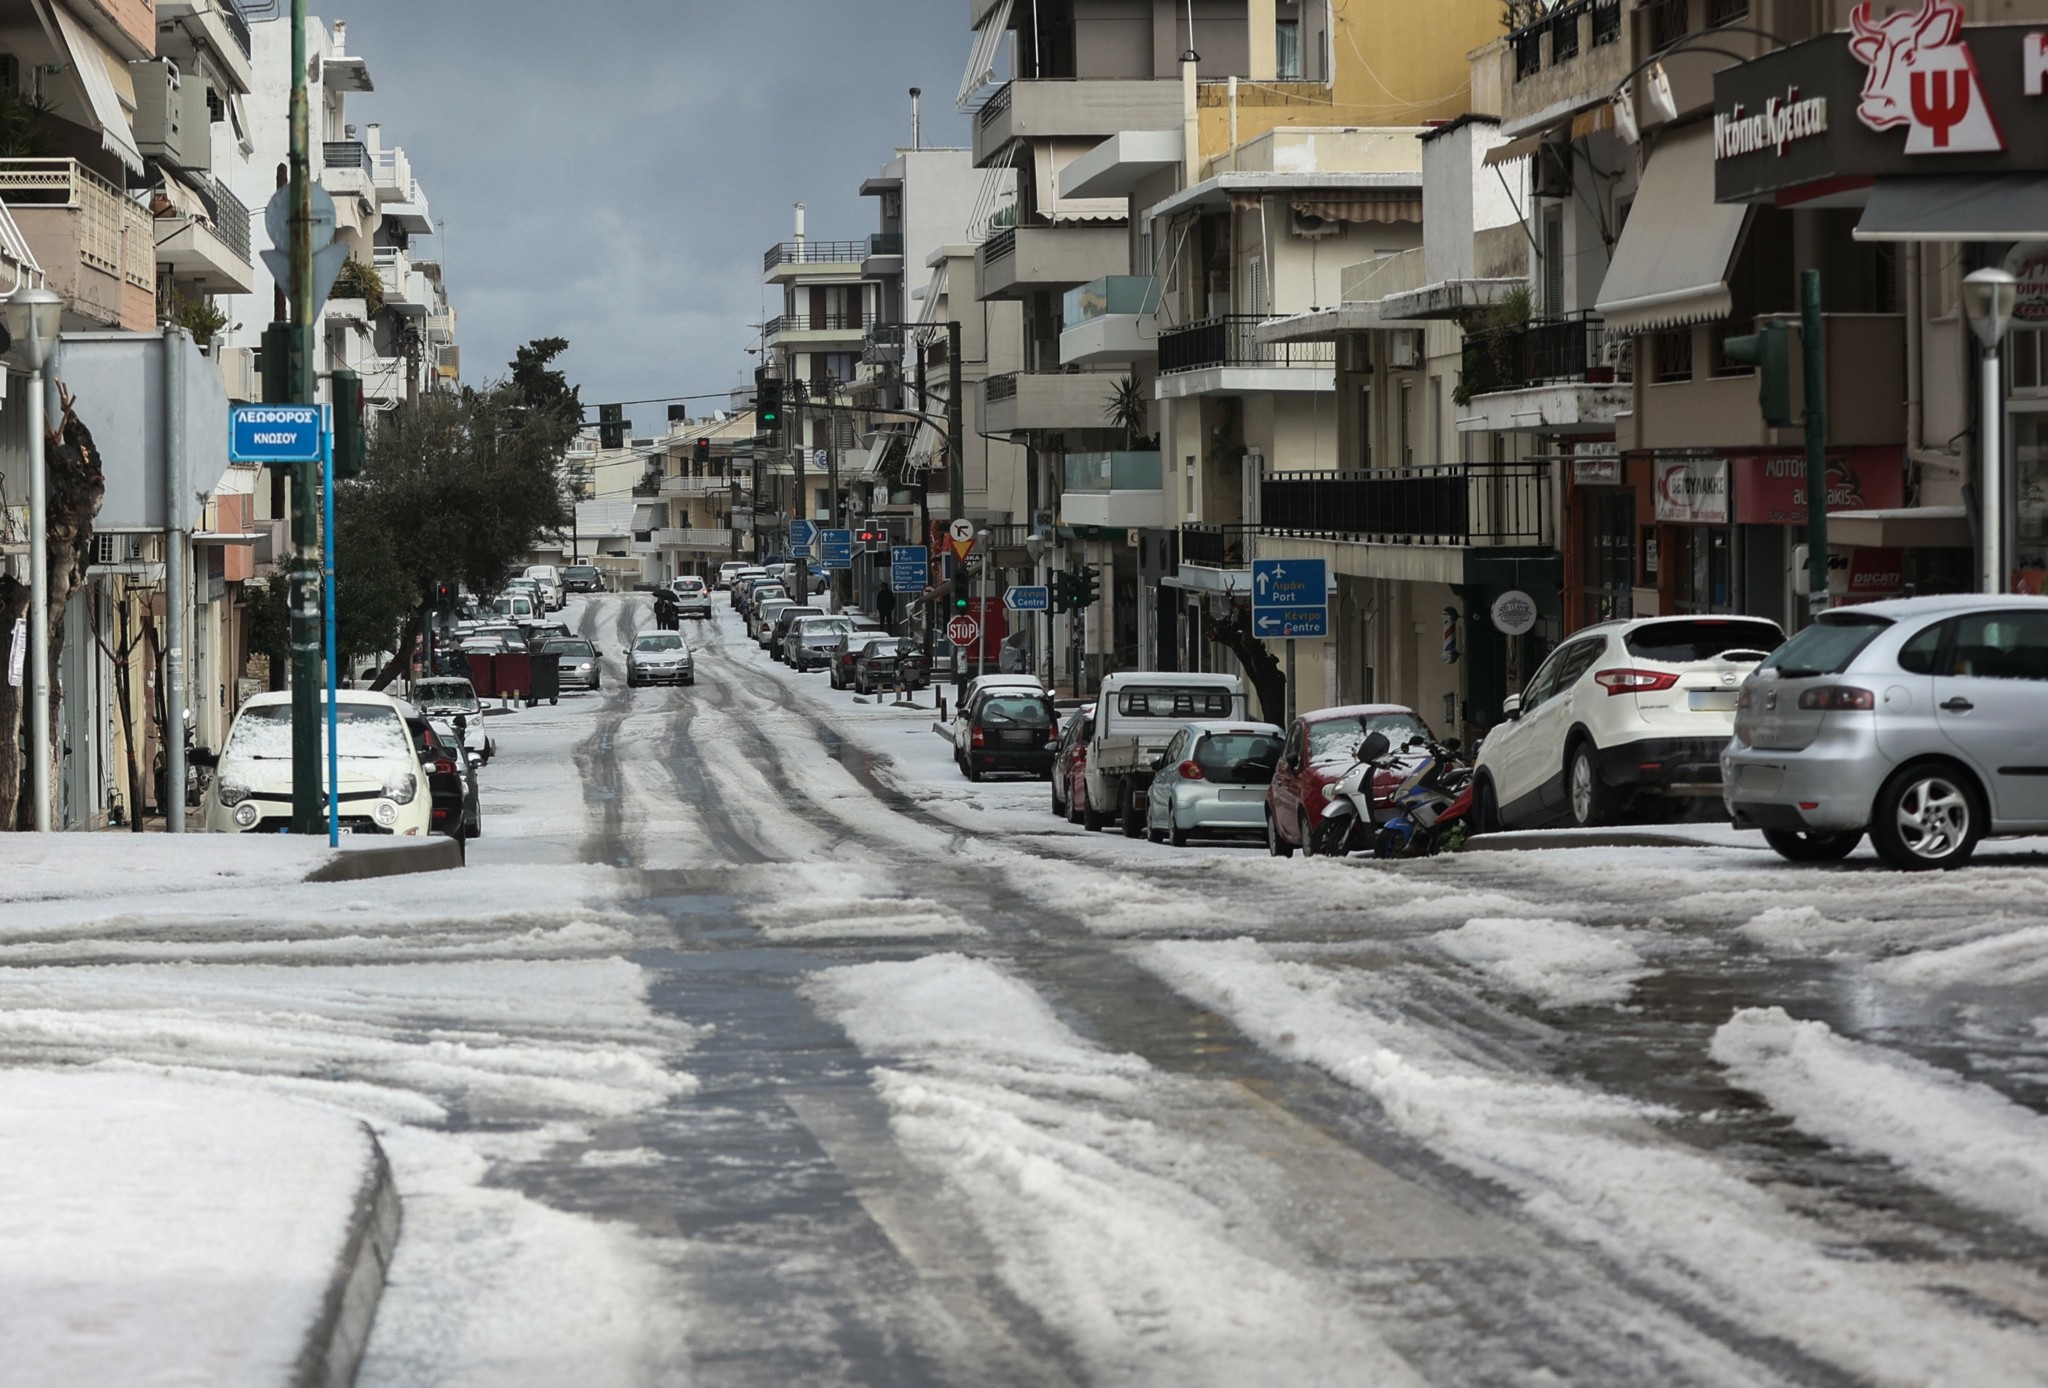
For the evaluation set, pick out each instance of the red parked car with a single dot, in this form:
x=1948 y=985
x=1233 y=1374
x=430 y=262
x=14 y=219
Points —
x=1070 y=764
x=1321 y=747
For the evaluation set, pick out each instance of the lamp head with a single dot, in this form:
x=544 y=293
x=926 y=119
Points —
x=1989 y=297
x=1660 y=107
x=34 y=316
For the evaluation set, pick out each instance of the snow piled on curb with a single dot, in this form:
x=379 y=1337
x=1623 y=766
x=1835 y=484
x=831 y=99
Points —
x=1555 y=963
x=1091 y=1210
x=1965 y=1140
x=1594 y=1169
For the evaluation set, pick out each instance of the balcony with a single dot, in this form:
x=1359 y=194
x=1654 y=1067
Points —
x=797 y=259
x=1016 y=261
x=884 y=255
x=1552 y=375
x=1110 y=320
x=1569 y=58
x=1074 y=109
x=345 y=170
x=406 y=290
x=693 y=539
x=1020 y=401
x=1216 y=546
x=807 y=329
x=1223 y=355
x=1457 y=504
x=213 y=24
x=1116 y=490
x=209 y=253
x=96 y=247
x=696 y=486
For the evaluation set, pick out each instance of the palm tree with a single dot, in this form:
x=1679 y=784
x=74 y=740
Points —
x=1126 y=410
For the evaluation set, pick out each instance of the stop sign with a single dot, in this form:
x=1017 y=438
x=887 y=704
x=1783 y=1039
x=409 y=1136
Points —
x=963 y=631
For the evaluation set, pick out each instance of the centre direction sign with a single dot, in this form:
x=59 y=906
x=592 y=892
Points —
x=910 y=568
x=1028 y=597
x=835 y=548
x=1290 y=597
x=800 y=533
x=275 y=433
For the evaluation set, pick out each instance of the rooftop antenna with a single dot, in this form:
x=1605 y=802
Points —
x=1191 y=56
x=916 y=127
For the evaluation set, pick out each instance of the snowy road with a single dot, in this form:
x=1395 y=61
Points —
x=755 y=1046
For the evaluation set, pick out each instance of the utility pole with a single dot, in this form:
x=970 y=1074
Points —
x=800 y=392
x=1816 y=442
x=305 y=573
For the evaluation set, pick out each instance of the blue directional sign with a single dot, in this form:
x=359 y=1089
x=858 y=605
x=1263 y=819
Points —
x=1290 y=597
x=1028 y=597
x=800 y=535
x=835 y=548
x=910 y=568
x=275 y=433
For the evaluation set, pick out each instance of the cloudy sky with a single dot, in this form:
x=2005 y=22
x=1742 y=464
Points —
x=610 y=171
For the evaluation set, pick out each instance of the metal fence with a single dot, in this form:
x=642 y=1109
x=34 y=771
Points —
x=1232 y=339
x=1545 y=351
x=1216 y=546
x=816 y=323
x=814 y=253
x=230 y=216
x=1452 y=504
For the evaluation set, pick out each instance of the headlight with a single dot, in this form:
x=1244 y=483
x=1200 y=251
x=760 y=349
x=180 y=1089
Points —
x=231 y=794
x=584 y=666
x=246 y=814
x=387 y=813
x=1332 y=792
x=401 y=790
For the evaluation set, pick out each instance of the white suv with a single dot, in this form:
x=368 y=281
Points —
x=1623 y=719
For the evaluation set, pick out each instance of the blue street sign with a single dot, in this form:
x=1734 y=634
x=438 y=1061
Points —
x=274 y=434
x=800 y=533
x=835 y=548
x=910 y=568
x=1290 y=597
x=1028 y=597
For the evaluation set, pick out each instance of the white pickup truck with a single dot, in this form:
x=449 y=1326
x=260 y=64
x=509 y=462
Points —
x=1136 y=715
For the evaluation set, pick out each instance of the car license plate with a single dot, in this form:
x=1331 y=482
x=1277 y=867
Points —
x=1759 y=780
x=1240 y=796
x=1023 y=737
x=1712 y=700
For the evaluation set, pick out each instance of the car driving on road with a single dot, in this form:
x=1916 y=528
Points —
x=660 y=657
x=579 y=661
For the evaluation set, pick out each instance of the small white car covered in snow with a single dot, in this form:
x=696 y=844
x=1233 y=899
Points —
x=383 y=789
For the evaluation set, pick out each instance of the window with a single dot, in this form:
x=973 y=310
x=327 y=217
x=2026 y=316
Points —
x=1673 y=352
x=1607 y=558
x=1244 y=759
x=1826 y=647
x=1407 y=446
x=2000 y=646
x=1365 y=426
x=1553 y=257
x=1156 y=701
x=1919 y=655
x=1676 y=643
x=1436 y=420
x=1337 y=739
x=1287 y=50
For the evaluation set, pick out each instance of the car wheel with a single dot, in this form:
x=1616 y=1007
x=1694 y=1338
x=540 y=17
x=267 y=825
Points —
x=1813 y=845
x=1485 y=807
x=1154 y=835
x=1057 y=808
x=1308 y=840
x=1275 y=845
x=1074 y=814
x=1128 y=815
x=1587 y=797
x=973 y=771
x=1176 y=835
x=1927 y=816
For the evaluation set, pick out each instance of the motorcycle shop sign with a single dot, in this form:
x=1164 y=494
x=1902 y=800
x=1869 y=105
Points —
x=1691 y=488
x=1915 y=91
x=1770 y=489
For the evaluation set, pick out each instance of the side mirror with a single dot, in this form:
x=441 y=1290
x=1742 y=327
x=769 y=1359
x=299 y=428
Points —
x=1294 y=763
x=1511 y=706
x=1159 y=761
x=475 y=760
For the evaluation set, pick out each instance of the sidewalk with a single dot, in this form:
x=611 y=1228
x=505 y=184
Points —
x=158 y=1231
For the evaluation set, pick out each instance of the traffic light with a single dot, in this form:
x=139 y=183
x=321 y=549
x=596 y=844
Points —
x=444 y=594
x=960 y=599
x=351 y=438
x=611 y=426
x=702 y=450
x=1062 y=594
x=768 y=409
x=1768 y=350
x=283 y=355
x=1087 y=586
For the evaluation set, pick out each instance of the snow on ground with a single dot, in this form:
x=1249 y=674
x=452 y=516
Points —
x=847 y=901
x=1555 y=963
x=1593 y=1168
x=74 y=867
x=166 y=1233
x=1092 y=1211
x=1963 y=1139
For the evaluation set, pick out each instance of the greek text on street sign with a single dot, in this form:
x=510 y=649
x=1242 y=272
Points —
x=1028 y=597
x=910 y=568
x=835 y=548
x=1290 y=597
x=274 y=434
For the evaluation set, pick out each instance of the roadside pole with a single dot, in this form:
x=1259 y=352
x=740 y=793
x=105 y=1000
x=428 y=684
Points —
x=981 y=646
x=1816 y=442
x=327 y=591
x=305 y=601
x=1290 y=681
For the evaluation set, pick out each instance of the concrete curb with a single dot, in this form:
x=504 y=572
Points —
x=334 y=1346
x=436 y=854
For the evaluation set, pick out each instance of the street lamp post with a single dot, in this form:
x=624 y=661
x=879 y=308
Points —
x=981 y=662
x=1989 y=297
x=34 y=316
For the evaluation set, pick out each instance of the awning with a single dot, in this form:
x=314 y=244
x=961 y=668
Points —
x=229 y=537
x=650 y=516
x=1954 y=207
x=1671 y=266
x=981 y=62
x=95 y=68
x=1591 y=122
x=1368 y=207
x=1902 y=527
x=1520 y=148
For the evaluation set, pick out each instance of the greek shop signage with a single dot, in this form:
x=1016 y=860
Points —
x=1783 y=121
x=1692 y=489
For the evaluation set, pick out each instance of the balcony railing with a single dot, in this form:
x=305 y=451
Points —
x=998 y=245
x=1564 y=30
x=231 y=14
x=814 y=253
x=1216 y=546
x=230 y=216
x=1606 y=22
x=1726 y=11
x=1112 y=472
x=1548 y=351
x=885 y=243
x=115 y=236
x=1232 y=340
x=1110 y=294
x=1454 y=504
x=1000 y=387
x=345 y=154
x=816 y=323
x=998 y=102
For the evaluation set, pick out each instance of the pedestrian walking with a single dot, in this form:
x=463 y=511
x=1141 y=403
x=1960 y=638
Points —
x=885 y=607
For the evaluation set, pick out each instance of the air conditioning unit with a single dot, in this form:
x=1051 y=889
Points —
x=1308 y=224
x=1358 y=352
x=1404 y=349
x=172 y=120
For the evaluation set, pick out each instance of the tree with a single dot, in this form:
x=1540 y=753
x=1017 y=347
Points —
x=1234 y=632
x=1126 y=410
x=75 y=489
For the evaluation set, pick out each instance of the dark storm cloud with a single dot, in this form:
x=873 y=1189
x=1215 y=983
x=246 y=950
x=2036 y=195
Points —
x=610 y=171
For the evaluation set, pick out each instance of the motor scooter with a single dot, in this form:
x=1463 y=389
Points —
x=1424 y=813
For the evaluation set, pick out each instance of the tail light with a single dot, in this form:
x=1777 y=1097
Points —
x=1192 y=771
x=1634 y=681
x=1742 y=698
x=1837 y=697
x=444 y=767
x=979 y=737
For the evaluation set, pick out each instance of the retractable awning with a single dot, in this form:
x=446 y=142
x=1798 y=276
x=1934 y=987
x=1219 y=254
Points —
x=981 y=62
x=1671 y=266
x=96 y=70
x=1520 y=148
x=1957 y=207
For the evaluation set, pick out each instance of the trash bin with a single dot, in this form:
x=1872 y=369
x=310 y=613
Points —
x=483 y=674
x=547 y=676
x=515 y=675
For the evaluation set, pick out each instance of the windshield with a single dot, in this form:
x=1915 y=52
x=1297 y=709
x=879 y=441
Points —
x=1826 y=647
x=1677 y=643
x=570 y=647
x=1020 y=711
x=361 y=730
x=666 y=642
x=580 y=571
x=1339 y=738
x=446 y=696
x=1242 y=758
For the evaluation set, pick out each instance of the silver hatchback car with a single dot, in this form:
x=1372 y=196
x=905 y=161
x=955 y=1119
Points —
x=1916 y=721
x=1212 y=779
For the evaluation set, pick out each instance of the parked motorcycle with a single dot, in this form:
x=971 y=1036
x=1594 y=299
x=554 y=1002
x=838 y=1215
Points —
x=1424 y=814
x=198 y=770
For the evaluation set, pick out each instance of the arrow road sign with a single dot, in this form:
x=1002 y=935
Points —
x=963 y=631
x=961 y=532
x=1028 y=597
x=910 y=568
x=801 y=530
x=274 y=434
x=1290 y=597
x=835 y=548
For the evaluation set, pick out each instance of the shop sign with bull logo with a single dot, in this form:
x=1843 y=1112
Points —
x=1922 y=77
